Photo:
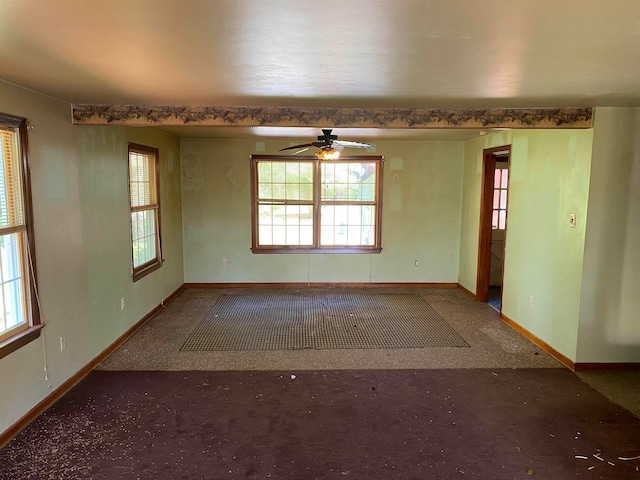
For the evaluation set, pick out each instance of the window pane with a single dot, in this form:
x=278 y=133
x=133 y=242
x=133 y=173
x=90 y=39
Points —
x=494 y=220
x=306 y=215
x=306 y=172
x=505 y=178
x=503 y=199
x=306 y=192
x=10 y=257
x=326 y=235
x=293 y=235
x=265 y=191
x=293 y=191
x=496 y=199
x=264 y=172
x=503 y=220
x=265 y=213
x=348 y=181
x=279 y=191
x=12 y=298
x=353 y=235
x=292 y=170
x=265 y=235
x=496 y=179
x=306 y=235
x=143 y=235
x=279 y=215
x=279 y=235
x=278 y=172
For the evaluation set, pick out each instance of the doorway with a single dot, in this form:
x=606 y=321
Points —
x=493 y=225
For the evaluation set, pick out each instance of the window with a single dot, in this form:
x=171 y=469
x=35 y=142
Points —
x=307 y=205
x=19 y=311
x=144 y=194
x=499 y=214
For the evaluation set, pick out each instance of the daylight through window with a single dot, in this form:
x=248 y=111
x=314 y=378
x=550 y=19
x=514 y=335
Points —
x=499 y=214
x=145 y=209
x=19 y=312
x=305 y=204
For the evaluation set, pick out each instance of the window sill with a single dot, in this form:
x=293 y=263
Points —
x=19 y=340
x=147 y=270
x=338 y=250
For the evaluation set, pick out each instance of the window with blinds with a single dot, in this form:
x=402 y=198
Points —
x=19 y=313
x=145 y=209
x=304 y=204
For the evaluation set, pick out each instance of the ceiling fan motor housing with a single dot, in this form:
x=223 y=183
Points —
x=326 y=136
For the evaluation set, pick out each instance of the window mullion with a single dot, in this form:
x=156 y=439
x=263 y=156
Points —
x=317 y=191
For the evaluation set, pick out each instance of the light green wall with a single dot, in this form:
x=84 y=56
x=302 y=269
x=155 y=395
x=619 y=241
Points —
x=106 y=230
x=549 y=179
x=610 y=300
x=470 y=215
x=421 y=218
x=79 y=182
x=55 y=170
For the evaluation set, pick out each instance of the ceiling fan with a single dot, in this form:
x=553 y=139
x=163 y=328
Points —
x=329 y=146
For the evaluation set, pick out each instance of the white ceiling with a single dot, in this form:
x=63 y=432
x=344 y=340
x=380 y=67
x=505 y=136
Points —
x=332 y=53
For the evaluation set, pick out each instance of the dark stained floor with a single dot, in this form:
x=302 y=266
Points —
x=354 y=424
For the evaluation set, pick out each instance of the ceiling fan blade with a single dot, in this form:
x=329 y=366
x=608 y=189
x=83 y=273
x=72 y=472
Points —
x=346 y=143
x=308 y=145
x=293 y=147
x=300 y=151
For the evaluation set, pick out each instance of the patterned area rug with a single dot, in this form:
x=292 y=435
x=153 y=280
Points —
x=321 y=321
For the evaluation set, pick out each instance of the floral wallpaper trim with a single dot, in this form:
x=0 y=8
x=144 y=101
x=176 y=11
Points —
x=332 y=117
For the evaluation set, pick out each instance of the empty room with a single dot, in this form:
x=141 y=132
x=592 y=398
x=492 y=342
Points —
x=302 y=240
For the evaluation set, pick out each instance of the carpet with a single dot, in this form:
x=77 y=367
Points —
x=321 y=321
x=351 y=424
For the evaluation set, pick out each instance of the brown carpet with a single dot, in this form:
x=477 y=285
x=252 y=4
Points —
x=348 y=424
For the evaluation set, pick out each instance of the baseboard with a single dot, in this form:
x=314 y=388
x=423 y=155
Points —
x=566 y=361
x=50 y=399
x=468 y=292
x=319 y=284
x=603 y=366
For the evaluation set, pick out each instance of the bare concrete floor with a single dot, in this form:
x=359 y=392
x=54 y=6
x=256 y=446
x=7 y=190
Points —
x=492 y=344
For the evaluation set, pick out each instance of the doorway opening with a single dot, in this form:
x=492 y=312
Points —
x=493 y=225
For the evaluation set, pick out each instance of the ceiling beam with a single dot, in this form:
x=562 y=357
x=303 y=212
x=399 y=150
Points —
x=416 y=118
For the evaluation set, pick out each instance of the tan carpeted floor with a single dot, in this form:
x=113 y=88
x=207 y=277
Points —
x=492 y=344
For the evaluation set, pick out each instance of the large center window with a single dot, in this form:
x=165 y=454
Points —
x=307 y=205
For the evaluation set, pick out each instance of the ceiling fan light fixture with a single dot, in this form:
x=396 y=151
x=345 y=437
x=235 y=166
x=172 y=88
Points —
x=328 y=153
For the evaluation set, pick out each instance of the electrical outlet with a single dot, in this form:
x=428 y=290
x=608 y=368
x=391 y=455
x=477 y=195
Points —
x=63 y=343
x=572 y=220
x=530 y=301
x=225 y=262
x=122 y=303
x=416 y=263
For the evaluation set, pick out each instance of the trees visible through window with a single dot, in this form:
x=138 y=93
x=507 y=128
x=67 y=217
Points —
x=19 y=311
x=145 y=209
x=499 y=215
x=309 y=205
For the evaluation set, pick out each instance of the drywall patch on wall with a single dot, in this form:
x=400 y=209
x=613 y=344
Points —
x=396 y=163
x=191 y=170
